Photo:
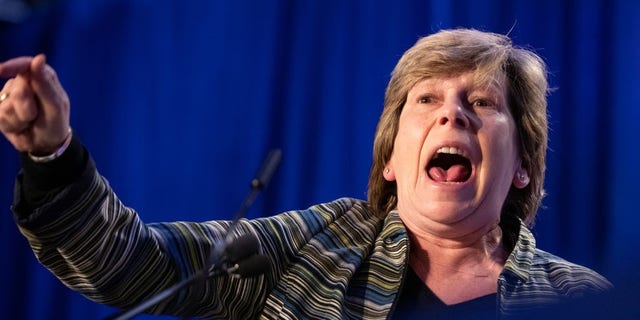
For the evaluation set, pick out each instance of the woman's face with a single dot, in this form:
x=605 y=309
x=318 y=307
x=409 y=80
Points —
x=455 y=156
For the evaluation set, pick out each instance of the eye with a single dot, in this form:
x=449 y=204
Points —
x=483 y=103
x=426 y=99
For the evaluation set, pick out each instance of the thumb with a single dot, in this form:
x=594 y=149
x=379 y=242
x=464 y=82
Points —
x=52 y=125
x=47 y=87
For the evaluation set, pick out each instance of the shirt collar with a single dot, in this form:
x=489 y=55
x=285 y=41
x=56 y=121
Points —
x=521 y=258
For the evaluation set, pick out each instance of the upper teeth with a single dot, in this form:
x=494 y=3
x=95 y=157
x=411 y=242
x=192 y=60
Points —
x=450 y=150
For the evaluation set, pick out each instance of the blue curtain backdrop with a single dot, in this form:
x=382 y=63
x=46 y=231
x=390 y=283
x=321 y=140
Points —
x=179 y=102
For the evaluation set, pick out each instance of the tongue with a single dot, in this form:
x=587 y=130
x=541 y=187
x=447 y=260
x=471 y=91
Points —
x=455 y=173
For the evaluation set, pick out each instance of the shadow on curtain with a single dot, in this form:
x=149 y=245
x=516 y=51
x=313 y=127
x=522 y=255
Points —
x=179 y=102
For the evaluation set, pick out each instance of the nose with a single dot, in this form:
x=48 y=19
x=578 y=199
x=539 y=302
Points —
x=453 y=113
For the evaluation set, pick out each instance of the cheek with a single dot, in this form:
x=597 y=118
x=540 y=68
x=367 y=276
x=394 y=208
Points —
x=412 y=127
x=408 y=143
x=501 y=139
x=409 y=139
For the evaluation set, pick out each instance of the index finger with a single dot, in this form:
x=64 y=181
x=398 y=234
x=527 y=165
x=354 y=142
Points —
x=15 y=66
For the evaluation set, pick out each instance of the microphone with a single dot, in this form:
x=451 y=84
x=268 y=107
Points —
x=251 y=266
x=218 y=252
x=241 y=259
x=237 y=257
x=266 y=171
x=242 y=247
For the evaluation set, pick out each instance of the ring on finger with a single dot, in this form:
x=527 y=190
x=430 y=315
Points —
x=4 y=96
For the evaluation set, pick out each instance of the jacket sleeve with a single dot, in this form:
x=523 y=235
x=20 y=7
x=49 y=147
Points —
x=99 y=247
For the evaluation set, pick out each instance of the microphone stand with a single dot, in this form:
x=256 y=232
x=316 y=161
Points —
x=257 y=184
x=216 y=255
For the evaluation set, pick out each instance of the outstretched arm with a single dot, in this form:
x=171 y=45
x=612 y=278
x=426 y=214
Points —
x=79 y=229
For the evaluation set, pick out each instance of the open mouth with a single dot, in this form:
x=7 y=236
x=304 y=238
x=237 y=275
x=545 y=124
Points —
x=449 y=164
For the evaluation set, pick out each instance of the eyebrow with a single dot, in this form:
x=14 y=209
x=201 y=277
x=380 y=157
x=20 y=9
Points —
x=493 y=86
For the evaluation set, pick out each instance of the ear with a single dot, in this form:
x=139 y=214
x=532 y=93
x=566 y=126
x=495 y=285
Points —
x=521 y=178
x=388 y=173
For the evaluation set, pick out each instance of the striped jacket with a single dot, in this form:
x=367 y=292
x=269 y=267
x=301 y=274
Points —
x=336 y=260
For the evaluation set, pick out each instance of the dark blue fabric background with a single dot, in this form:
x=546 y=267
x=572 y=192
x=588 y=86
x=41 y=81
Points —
x=179 y=102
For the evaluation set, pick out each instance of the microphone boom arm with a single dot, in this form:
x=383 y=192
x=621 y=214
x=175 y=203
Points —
x=217 y=254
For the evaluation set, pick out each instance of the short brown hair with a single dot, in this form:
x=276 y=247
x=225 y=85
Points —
x=490 y=57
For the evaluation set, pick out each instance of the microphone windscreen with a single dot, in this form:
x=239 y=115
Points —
x=242 y=247
x=253 y=266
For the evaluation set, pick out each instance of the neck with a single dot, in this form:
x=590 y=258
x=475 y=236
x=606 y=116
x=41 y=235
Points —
x=460 y=268
x=478 y=254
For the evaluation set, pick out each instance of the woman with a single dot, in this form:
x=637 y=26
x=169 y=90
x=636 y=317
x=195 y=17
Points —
x=457 y=177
